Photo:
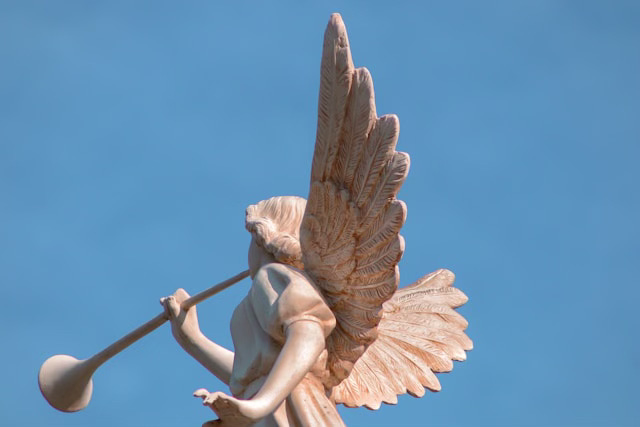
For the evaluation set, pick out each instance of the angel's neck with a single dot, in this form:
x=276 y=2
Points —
x=257 y=258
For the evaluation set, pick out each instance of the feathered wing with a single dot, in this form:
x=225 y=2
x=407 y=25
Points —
x=420 y=333
x=350 y=232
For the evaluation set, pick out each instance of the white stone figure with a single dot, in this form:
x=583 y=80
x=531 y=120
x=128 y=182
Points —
x=324 y=322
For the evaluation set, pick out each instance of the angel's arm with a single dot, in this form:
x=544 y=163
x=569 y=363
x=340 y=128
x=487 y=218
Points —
x=304 y=343
x=184 y=326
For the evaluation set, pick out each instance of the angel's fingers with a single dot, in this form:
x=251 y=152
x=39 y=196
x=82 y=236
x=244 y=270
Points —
x=201 y=392
x=211 y=398
x=181 y=295
x=172 y=306
x=165 y=305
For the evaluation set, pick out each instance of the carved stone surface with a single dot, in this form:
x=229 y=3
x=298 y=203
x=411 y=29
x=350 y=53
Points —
x=324 y=322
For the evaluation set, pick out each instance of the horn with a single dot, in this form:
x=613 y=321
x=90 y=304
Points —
x=66 y=383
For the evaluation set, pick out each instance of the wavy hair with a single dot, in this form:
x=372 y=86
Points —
x=275 y=225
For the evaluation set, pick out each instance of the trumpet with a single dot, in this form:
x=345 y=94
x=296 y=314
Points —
x=66 y=382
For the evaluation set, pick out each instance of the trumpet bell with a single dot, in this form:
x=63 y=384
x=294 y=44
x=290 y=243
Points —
x=66 y=382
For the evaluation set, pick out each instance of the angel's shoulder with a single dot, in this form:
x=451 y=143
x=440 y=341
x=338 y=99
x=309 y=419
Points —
x=279 y=276
x=282 y=295
x=285 y=284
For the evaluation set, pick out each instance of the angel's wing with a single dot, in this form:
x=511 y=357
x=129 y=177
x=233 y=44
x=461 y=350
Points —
x=350 y=232
x=420 y=333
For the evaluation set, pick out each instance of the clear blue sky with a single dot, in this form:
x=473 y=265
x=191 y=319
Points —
x=134 y=134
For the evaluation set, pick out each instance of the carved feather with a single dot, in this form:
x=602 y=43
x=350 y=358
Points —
x=359 y=119
x=384 y=227
x=377 y=153
x=375 y=289
x=335 y=81
x=381 y=259
x=342 y=344
x=449 y=296
x=441 y=278
x=388 y=185
x=414 y=363
x=444 y=312
x=407 y=371
x=426 y=329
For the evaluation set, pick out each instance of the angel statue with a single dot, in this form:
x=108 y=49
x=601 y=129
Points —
x=324 y=322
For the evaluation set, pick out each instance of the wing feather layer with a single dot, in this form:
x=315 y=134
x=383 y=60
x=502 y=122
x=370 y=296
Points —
x=349 y=236
x=420 y=334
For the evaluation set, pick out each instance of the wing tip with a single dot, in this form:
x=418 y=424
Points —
x=443 y=273
x=335 y=18
x=336 y=30
x=469 y=345
x=390 y=120
x=405 y=158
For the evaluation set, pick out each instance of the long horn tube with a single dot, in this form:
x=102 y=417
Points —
x=66 y=381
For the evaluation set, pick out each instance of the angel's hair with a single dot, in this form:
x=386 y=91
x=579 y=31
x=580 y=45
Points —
x=275 y=226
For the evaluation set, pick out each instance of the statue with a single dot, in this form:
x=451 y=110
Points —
x=324 y=322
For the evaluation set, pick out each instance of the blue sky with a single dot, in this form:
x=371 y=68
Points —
x=134 y=134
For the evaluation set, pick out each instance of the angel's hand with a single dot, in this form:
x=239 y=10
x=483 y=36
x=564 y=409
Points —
x=184 y=323
x=232 y=412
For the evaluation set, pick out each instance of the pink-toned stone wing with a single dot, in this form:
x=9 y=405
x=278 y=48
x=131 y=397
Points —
x=420 y=333
x=350 y=232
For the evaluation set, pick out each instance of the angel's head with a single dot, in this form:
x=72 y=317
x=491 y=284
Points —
x=275 y=226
